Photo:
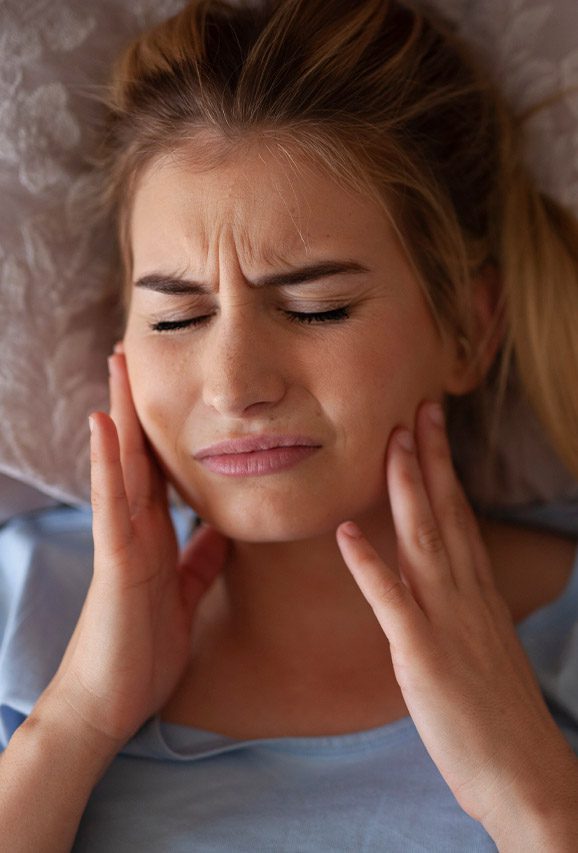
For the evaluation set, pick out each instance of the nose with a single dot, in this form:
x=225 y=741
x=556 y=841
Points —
x=242 y=367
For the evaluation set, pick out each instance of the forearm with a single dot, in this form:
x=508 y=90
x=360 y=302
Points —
x=47 y=773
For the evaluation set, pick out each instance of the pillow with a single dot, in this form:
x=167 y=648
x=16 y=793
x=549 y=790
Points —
x=531 y=47
x=16 y=498
x=60 y=312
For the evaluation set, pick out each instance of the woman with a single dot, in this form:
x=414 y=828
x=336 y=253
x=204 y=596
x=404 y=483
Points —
x=328 y=239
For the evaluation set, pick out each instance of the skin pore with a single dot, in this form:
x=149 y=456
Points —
x=285 y=620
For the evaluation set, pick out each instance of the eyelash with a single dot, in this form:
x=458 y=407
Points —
x=336 y=315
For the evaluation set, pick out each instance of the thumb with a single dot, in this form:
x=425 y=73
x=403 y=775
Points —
x=202 y=559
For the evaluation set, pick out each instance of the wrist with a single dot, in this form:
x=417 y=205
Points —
x=555 y=832
x=47 y=773
x=541 y=813
x=54 y=724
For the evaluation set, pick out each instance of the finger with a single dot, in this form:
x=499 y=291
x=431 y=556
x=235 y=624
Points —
x=143 y=482
x=390 y=598
x=111 y=523
x=422 y=552
x=201 y=561
x=468 y=558
x=450 y=506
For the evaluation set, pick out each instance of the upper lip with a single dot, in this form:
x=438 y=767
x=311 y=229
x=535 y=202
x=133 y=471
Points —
x=250 y=443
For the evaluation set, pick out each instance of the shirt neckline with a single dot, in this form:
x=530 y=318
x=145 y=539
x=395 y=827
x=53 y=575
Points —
x=178 y=739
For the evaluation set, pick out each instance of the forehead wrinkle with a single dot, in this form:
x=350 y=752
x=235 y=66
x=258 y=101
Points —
x=193 y=242
x=201 y=240
x=269 y=241
x=274 y=235
x=255 y=249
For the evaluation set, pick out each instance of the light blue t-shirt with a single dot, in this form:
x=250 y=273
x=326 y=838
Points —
x=176 y=788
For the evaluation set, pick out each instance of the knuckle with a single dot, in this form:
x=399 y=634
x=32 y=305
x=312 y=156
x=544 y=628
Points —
x=439 y=452
x=497 y=603
x=139 y=505
x=94 y=456
x=119 y=556
x=456 y=515
x=97 y=500
x=428 y=538
x=101 y=501
x=392 y=593
x=410 y=476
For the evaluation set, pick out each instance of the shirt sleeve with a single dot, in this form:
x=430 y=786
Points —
x=45 y=571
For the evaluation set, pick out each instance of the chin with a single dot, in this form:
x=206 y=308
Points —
x=255 y=524
x=273 y=511
x=267 y=527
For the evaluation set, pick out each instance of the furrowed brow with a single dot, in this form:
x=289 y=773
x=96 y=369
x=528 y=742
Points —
x=179 y=286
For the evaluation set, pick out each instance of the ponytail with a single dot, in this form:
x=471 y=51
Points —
x=539 y=267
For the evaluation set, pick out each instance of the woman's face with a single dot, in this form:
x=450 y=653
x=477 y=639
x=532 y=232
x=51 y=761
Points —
x=250 y=366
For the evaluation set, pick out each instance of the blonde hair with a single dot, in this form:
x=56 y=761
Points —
x=391 y=102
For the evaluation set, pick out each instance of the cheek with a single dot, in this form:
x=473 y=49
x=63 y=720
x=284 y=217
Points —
x=157 y=401
x=381 y=385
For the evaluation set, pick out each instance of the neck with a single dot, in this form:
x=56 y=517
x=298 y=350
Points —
x=282 y=600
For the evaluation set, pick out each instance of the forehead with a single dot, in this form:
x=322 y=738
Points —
x=272 y=203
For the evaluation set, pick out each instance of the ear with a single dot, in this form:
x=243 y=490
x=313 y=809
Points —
x=468 y=365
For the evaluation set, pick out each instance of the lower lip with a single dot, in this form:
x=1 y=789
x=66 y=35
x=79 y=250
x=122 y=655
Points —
x=257 y=462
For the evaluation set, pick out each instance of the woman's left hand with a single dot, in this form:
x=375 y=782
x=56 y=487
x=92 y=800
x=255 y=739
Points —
x=465 y=678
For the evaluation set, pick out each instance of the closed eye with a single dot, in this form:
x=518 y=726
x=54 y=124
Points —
x=335 y=315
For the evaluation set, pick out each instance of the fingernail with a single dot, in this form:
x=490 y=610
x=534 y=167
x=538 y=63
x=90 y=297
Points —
x=351 y=529
x=90 y=423
x=118 y=347
x=435 y=414
x=405 y=439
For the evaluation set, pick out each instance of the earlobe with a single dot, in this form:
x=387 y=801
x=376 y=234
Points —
x=472 y=359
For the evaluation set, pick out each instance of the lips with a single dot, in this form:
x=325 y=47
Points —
x=258 y=463
x=250 y=444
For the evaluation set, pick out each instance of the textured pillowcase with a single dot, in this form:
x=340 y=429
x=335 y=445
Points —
x=60 y=312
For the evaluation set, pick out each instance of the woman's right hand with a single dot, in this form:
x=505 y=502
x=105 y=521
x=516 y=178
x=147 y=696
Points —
x=131 y=644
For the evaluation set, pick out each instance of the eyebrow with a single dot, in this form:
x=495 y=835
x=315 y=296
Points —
x=175 y=285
